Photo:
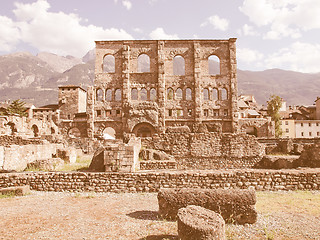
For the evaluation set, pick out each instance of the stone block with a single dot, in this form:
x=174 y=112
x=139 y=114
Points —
x=196 y=222
x=17 y=191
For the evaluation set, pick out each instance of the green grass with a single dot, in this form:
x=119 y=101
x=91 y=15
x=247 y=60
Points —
x=7 y=195
x=81 y=163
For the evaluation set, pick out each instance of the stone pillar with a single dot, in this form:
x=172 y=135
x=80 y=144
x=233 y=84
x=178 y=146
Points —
x=161 y=87
x=233 y=85
x=90 y=111
x=197 y=84
x=126 y=92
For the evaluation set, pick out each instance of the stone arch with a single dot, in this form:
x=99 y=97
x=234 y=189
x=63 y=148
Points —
x=188 y=94
x=250 y=129
x=224 y=94
x=213 y=65
x=143 y=130
x=134 y=94
x=178 y=94
x=153 y=94
x=109 y=131
x=117 y=95
x=143 y=94
x=143 y=63
x=12 y=127
x=35 y=130
x=109 y=95
x=99 y=95
x=170 y=94
x=108 y=65
x=178 y=65
x=74 y=132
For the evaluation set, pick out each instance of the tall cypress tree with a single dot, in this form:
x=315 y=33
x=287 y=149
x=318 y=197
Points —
x=17 y=107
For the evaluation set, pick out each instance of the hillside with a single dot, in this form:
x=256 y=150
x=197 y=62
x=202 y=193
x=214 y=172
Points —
x=35 y=79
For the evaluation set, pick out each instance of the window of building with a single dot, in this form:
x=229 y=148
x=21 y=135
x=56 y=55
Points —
x=117 y=95
x=287 y=130
x=118 y=112
x=214 y=65
x=317 y=124
x=189 y=112
x=98 y=113
x=188 y=94
x=225 y=112
x=214 y=94
x=302 y=134
x=205 y=93
x=169 y=94
x=108 y=113
x=143 y=94
x=205 y=112
x=143 y=63
x=178 y=65
x=153 y=94
x=170 y=112
x=224 y=94
x=178 y=94
x=301 y=124
x=99 y=95
x=179 y=112
x=108 y=64
x=134 y=94
x=286 y=122
x=109 y=95
x=215 y=113
x=318 y=134
x=310 y=134
x=309 y=124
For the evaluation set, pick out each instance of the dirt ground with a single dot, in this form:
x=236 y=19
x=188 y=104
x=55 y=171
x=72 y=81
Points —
x=51 y=215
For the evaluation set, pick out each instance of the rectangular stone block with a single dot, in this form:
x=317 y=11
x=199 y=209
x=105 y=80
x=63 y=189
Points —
x=17 y=191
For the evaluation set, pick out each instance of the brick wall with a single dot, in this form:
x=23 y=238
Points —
x=153 y=181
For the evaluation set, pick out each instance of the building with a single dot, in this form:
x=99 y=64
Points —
x=145 y=86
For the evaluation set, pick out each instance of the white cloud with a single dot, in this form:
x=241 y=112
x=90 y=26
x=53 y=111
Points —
x=159 y=33
x=217 y=22
x=247 y=55
x=137 y=30
x=127 y=4
x=248 y=30
x=286 y=18
x=302 y=57
x=9 y=34
x=58 y=33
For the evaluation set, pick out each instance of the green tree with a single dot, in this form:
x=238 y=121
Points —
x=17 y=107
x=274 y=105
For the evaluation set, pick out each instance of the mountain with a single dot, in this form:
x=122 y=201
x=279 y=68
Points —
x=35 y=79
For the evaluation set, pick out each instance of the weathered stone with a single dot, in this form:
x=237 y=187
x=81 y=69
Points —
x=17 y=191
x=234 y=205
x=46 y=164
x=310 y=157
x=196 y=222
x=276 y=162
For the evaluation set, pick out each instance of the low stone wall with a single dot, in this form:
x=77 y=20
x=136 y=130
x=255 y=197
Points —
x=152 y=165
x=308 y=179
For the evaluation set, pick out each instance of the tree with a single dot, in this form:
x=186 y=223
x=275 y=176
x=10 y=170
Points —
x=17 y=107
x=274 y=105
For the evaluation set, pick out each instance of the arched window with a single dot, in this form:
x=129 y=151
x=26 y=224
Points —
x=224 y=94
x=143 y=63
x=109 y=64
x=178 y=65
x=74 y=132
x=169 y=94
x=99 y=95
x=134 y=94
x=109 y=133
x=179 y=94
x=153 y=94
x=35 y=130
x=109 y=95
x=188 y=94
x=143 y=94
x=214 y=94
x=205 y=94
x=214 y=65
x=117 y=95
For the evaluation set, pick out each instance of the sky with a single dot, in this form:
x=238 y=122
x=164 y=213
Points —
x=281 y=34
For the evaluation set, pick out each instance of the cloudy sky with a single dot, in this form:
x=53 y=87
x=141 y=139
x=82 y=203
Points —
x=271 y=33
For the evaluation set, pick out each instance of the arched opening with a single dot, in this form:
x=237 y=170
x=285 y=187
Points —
x=205 y=94
x=214 y=94
x=13 y=128
x=224 y=94
x=109 y=64
x=179 y=94
x=35 y=130
x=153 y=94
x=109 y=133
x=109 y=95
x=143 y=130
x=178 y=65
x=143 y=63
x=169 y=94
x=214 y=65
x=117 y=95
x=134 y=94
x=143 y=94
x=74 y=132
x=99 y=95
x=52 y=131
x=188 y=94
x=251 y=130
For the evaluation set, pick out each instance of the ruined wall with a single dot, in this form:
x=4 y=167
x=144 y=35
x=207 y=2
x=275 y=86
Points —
x=16 y=157
x=209 y=150
x=196 y=95
x=270 y=180
x=264 y=127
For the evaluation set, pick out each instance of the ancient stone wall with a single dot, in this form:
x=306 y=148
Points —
x=263 y=127
x=208 y=150
x=152 y=181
